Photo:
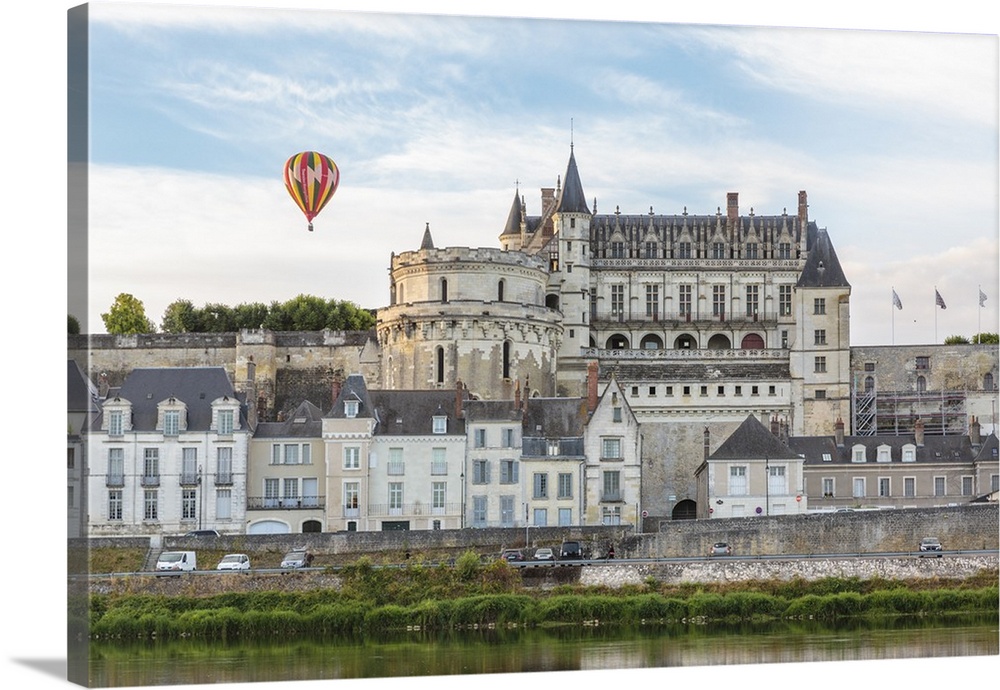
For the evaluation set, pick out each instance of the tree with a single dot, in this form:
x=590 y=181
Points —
x=74 y=325
x=956 y=340
x=180 y=317
x=127 y=316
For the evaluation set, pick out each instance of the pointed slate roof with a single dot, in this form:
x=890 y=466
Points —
x=822 y=268
x=514 y=218
x=572 y=199
x=752 y=440
x=354 y=388
x=427 y=242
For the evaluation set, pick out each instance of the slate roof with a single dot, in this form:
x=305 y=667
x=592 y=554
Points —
x=572 y=199
x=196 y=387
x=491 y=411
x=405 y=413
x=81 y=393
x=305 y=422
x=427 y=242
x=514 y=218
x=753 y=440
x=353 y=388
x=555 y=417
x=936 y=449
x=822 y=268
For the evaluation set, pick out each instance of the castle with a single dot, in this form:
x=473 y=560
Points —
x=698 y=321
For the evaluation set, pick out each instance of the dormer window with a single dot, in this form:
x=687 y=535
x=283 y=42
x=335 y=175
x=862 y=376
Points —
x=909 y=453
x=171 y=416
x=226 y=422
x=884 y=454
x=116 y=422
x=858 y=454
x=351 y=408
x=440 y=424
x=171 y=422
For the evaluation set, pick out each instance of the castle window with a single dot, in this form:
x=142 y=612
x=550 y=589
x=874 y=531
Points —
x=819 y=365
x=683 y=250
x=718 y=250
x=617 y=250
x=819 y=336
x=500 y=291
x=753 y=300
x=444 y=290
x=439 y=374
x=869 y=384
x=770 y=390
x=820 y=394
x=651 y=250
x=923 y=363
x=617 y=301
x=440 y=424
x=506 y=360
x=785 y=300
x=350 y=408
x=719 y=301
x=653 y=301
x=921 y=384
x=751 y=250
x=819 y=305
x=784 y=250
x=684 y=299
x=988 y=384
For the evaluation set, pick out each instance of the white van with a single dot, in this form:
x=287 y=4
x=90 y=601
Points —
x=177 y=561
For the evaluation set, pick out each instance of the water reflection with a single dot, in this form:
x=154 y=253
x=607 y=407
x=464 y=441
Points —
x=555 y=649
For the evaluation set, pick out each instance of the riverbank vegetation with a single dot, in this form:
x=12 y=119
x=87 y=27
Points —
x=373 y=600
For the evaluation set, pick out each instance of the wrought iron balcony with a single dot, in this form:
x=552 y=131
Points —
x=190 y=478
x=115 y=480
x=150 y=480
x=223 y=478
x=298 y=503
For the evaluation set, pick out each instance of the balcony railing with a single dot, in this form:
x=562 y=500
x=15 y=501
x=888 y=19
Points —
x=223 y=478
x=413 y=509
x=395 y=469
x=612 y=497
x=439 y=468
x=297 y=503
x=607 y=319
x=150 y=480
x=116 y=480
x=189 y=478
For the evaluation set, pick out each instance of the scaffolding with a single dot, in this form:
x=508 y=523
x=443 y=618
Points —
x=895 y=413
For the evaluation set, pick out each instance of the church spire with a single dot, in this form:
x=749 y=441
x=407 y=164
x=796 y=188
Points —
x=572 y=198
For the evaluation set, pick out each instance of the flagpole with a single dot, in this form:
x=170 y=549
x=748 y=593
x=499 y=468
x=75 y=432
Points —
x=892 y=321
x=935 y=314
x=979 y=313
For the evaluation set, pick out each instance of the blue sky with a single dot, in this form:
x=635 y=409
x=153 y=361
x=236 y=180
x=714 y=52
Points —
x=434 y=119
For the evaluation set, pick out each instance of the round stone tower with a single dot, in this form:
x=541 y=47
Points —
x=477 y=316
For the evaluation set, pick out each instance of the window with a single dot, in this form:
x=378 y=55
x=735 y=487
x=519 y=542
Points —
x=884 y=485
x=719 y=300
x=617 y=250
x=684 y=299
x=939 y=486
x=506 y=511
x=395 y=465
x=553 y=446
x=70 y=458
x=784 y=250
x=151 y=467
x=819 y=305
x=616 y=414
x=438 y=495
x=508 y=471
x=69 y=496
x=440 y=425
x=439 y=463
x=988 y=384
x=395 y=496
x=683 y=250
x=480 y=471
x=505 y=361
x=718 y=250
x=291 y=454
x=819 y=336
x=784 y=339
x=720 y=391
x=777 y=482
x=753 y=299
x=611 y=448
x=653 y=301
x=751 y=250
x=909 y=453
x=883 y=454
x=479 y=436
x=150 y=504
x=351 y=492
x=189 y=465
x=650 y=250
x=754 y=390
x=923 y=363
x=771 y=390
x=921 y=384
x=869 y=384
x=966 y=486
x=116 y=423
x=565 y=517
x=479 y=511
x=540 y=485
x=828 y=487
x=223 y=504
x=738 y=480
x=611 y=515
x=738 y=390
x=507 y=438
x=859 y=487
x=350 y=409
x=617 y=301
x=785 y=300
x=995 y=482
x=189 y=504
x=820 y=394
x=444 y=289
x=225 y=422
x=611 y=489
x=352 y=457
x=439 y=365
x=540 y=517
x=704 y=390
x=116 y=466
x=115 y=504
x=909 y=487
x=171 y=422
x=870 y=366
x=819 y=365
x=859 y=454
x=565 y=488
x=271 y=493
x=500 y=287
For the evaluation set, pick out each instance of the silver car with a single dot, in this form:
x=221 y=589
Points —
x=930 y=546
x=234 y=561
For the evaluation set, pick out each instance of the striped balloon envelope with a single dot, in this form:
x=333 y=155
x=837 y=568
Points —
x=311 y=179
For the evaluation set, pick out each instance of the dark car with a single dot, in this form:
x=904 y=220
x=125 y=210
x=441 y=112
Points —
x=202 y=533
x=570 y=550
x=720 y=548
x=298 y=558
x=930 y=546
x=512 y=555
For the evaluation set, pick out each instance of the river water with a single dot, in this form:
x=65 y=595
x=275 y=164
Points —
x=418 y=653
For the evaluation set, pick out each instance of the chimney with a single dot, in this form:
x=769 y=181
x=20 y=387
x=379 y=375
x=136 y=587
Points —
x=335 y=391
x=459 y=412
x=918 y=432
x=591 y=387
x=803 y=209
x=517 y=394
x=732 y=207
x=706 y=435
x=251 y=393
x=974 y=432
x=775 y=429
x=838 y=432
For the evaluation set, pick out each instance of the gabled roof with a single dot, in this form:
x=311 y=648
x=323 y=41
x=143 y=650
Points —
x=752 y=440
x=353 y=388
x=555 y=417
x=572 y=199
x=822 y=268
x=305 y=422
x=196 y=387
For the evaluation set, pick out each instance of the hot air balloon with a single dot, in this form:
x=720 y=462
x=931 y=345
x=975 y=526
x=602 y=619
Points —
x=311 y=178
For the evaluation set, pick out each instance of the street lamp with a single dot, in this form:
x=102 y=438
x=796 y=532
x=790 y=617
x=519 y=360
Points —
x=767 y=487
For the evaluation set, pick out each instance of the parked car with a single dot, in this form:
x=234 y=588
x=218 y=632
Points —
x=234 y=561
x=720 y=548
x=544 y=554
x=570 y=550
x=177 y=561
x=202 y=533
x=298 y=558
x=511 y=555
x=931 y=546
